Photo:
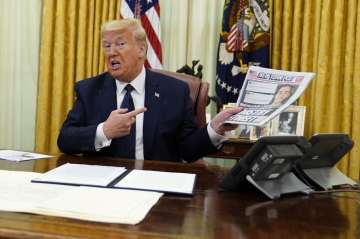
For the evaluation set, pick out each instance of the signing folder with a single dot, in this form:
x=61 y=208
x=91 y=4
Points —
x=119 y=177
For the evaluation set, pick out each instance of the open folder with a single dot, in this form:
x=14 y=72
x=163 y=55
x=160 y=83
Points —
x=119 y=177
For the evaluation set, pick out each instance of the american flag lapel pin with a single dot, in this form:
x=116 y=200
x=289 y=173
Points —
x=157 y=95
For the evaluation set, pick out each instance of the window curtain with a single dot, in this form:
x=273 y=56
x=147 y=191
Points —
x=323 y=37
x=19 y=53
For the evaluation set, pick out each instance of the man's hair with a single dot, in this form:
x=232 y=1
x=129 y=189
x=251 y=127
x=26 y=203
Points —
x=128 y=24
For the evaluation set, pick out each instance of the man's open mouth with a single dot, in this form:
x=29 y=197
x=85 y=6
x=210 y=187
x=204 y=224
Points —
x=114 y=64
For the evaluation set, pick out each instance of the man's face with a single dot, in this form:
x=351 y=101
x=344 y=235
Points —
x=283 y=93
x=123 y=55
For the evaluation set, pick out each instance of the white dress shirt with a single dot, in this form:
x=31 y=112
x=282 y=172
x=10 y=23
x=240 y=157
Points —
x=138 y=95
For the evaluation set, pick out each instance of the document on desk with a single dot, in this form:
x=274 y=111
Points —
x=181 y=183
x=18 y=194
x=81 y=174
x=13 y=155
x=102 y=205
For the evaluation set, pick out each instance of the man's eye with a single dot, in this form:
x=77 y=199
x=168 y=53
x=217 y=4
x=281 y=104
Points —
x=106 y=45
x=120 y=44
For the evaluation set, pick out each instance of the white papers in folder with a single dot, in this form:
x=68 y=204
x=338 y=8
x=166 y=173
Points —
x=81 y=174
x=158 y=181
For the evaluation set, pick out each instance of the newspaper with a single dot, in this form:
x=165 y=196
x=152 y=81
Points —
x=267 y=92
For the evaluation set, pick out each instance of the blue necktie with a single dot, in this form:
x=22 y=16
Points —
x=127 y=143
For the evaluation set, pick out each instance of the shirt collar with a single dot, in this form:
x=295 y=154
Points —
x=138 y=83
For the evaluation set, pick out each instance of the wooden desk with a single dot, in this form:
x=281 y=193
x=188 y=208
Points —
x=208 y=214
x=233 y=150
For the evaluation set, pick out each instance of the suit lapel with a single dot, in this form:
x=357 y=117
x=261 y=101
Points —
x=107 y=98
x=153 y=105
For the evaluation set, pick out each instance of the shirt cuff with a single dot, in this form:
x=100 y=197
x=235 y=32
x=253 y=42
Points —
x=100 y=139
x=215 y=138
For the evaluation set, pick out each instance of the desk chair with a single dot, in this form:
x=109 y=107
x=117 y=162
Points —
x=198 y=92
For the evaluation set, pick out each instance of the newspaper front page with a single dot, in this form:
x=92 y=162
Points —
x=267 y=92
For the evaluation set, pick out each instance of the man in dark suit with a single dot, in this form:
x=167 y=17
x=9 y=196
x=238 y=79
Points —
x=131 y=112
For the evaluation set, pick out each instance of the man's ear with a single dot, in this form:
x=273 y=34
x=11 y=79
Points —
x=142 y=51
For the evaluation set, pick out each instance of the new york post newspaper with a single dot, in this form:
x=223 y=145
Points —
x=267 y=92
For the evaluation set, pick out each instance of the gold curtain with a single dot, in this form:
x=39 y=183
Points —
x=323 y=36
x=70 y=51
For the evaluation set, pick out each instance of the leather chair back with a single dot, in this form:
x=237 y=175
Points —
x=198 y=93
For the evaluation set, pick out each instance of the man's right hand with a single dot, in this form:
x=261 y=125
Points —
x=119 y=122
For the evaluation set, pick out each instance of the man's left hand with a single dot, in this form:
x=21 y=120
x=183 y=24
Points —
x=217 y=123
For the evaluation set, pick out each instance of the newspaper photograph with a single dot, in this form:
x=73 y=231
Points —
x=267 y=92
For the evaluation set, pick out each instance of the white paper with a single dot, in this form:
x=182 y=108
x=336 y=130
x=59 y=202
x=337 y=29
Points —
x=268 y=92
x=103 y=204
x=158 y=181
x=18 y=194
x=13 y=155
x=82 y=174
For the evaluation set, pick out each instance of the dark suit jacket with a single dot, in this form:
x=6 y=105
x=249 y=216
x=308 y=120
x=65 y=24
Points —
x=169 y=130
